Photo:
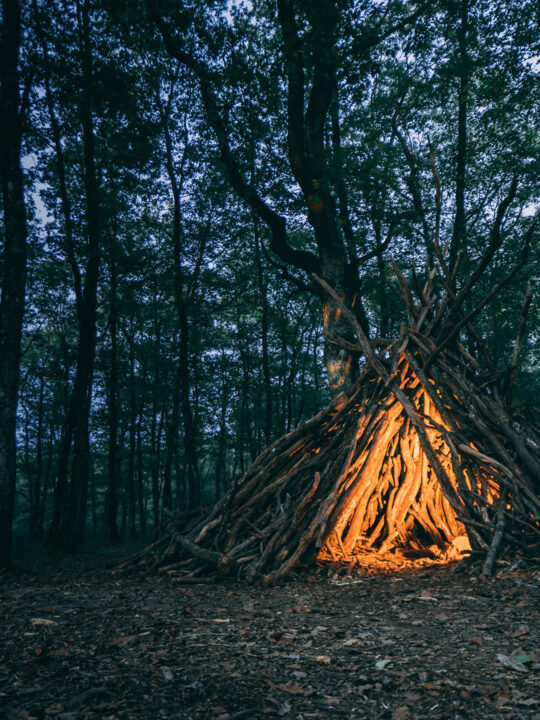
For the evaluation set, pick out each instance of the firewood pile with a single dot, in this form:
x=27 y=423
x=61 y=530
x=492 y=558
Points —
x=424 y=455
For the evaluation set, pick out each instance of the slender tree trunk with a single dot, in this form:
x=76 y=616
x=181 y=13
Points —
x=140 y=476
x=112 y=495
x=221 y=456
x=179 y=482
x=154 y=462
x=69 y=516
x=47 y=479
x=182 y=309
x=37 y=529
x=247 y=423
x=156 y=470
x=457 y=242
x=264 y=335
x=172 y=442
x=382 y=290
x=130 y=479
x=34 y=474
x=30 y=476
x=13 y=264
x=190 y=439
x=92 y=483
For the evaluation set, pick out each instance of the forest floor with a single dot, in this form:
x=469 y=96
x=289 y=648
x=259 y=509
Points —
x=78 y=641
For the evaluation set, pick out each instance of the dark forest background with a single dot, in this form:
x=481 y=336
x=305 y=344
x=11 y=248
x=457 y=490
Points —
x=172 y=172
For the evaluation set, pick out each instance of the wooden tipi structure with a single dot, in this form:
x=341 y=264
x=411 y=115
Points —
x=423 y=455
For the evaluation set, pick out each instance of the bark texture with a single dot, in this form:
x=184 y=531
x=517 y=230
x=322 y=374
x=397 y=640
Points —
x=13 y=266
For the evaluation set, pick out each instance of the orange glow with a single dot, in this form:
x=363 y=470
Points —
x=390 y=509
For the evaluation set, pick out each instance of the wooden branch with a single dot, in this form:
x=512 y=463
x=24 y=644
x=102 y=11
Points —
x=302 y=259
x=494 y=243
x=225 y=564
x=497 y=536
x=365 y=42
x=386 y=343
x=294 y=68
x=449 y=330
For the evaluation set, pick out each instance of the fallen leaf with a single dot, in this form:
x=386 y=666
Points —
x=522 y=658
x=43 y=622
x=511 y=663
x=326 y=659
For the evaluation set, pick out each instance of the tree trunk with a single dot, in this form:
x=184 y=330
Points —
x=131 y=492
x=458 y=236
x=47 y=479
x=36 y=529
x=140 y=476
x=69 y=516
x=264 y=335
x=154 y=460
x=182 y=309
x=112 y=495
x=221 y=456
x=13 y=266
x=190 y=439
x=172 y=442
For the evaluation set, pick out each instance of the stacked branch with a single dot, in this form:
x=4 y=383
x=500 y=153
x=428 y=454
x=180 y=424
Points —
x=422 y=455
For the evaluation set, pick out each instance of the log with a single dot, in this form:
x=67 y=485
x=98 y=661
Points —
x=225 y=564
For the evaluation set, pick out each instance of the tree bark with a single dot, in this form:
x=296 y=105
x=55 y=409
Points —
x=172 y=442
x=13 y=266
x=112 y=461
x=220 y=474
x=264 y=335
x=67 y=530
x=131 y=490
x=35 y=479
x=457 y=241
x=182 y=302
x=140 y=476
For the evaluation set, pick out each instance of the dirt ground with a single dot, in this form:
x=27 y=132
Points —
x=78 y=641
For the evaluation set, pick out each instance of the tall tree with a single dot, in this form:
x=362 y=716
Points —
x=69 y=517
x=13 y=263
x=311 y=50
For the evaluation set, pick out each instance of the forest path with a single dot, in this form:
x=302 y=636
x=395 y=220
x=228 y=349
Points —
x=80 y=642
